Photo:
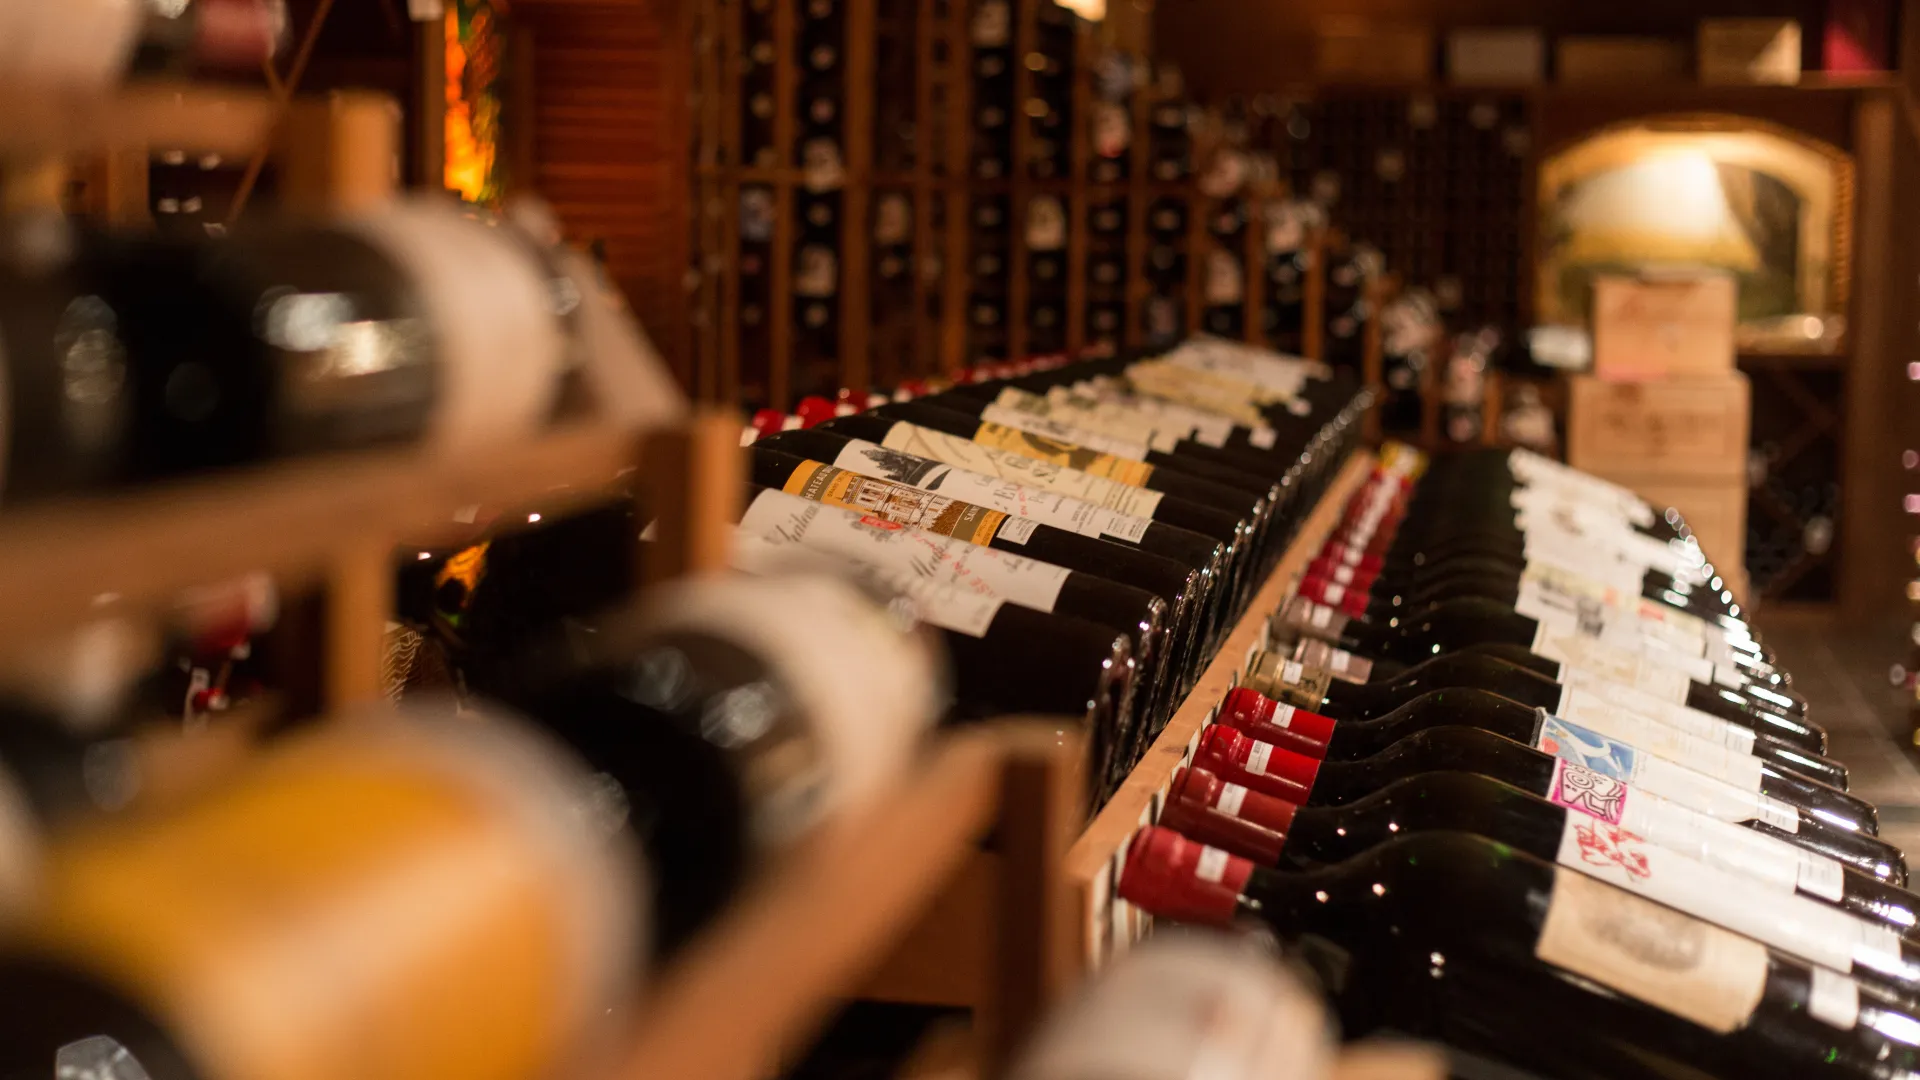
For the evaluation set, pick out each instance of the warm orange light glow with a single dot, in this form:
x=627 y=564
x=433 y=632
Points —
x=473 y=106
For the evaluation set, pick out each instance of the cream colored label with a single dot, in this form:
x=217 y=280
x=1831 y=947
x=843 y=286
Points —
x=898 y=503
x=1800 y=927
x=1039 y=423
x=1585 y=698
x=791 y=519
x=1230 y=800
x=1069 y=454
x=1834 y=999
x=1052 y=476
x=1604 y=661
x=1674 y=962
x=949 y=607
x=1022 y=500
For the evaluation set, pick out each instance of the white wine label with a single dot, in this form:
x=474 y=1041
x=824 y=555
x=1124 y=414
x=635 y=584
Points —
x=1343 y=574
x=1212 y=864
x=1333 y=593
x=1834 y=999
x=1618 y=761
x=1603 y=661
x=863 y=537
x=1021 y=420
x=489 y=304
x=1543 y=496
x=1794 y=924
x=1113 y=423
x=1561 y=613
x=1584 y=698
x=1273 y=371
x=1674 y=962
x=1322 y=616
x=971 y=456
x=1017 y=529
x=806 y=626
x=949 y=607
x=1755 y=856
x=1258 y=757
x=1231 y=796
x=1651 y=737
x=1009 y=496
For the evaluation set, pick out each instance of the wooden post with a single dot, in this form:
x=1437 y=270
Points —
x=1373 y=360
x=691 y=484
x=856 y=236
x=1035 y=947
x=780 y=304
x=339 y=154
x=359 y=601
x=955 y=263
x=926 y=336
x=1313 y=303
x=1026 y=33
x=1139 y=192
x=1078 y=223
x=430 y=104
x=1254 y=251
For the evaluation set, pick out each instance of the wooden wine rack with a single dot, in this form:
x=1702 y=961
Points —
x=747 y=994
x=942 y=186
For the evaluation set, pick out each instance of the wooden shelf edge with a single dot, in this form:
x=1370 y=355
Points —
x=293 y=520
x=197 y=119
x=1091 y=861
x=750 y=990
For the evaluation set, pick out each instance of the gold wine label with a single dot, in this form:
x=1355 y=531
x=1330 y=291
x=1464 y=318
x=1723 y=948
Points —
x=384 y=899
x=1669 y=960
x=1064 y=454
x=1288 y=681
x=1339 y=663
x=898 y=503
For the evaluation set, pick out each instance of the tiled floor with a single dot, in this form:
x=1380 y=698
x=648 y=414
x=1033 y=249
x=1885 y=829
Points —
x=1843 y=672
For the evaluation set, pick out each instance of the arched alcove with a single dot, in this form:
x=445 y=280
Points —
x=1766 y=204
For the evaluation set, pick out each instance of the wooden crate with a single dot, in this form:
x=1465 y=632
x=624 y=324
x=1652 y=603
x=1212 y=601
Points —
x=1655 y=326
x=1692 y=428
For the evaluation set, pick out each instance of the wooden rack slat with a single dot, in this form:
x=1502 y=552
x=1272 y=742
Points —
x=780 y=304
x=1026 y=34
x=1313 y=314
x=295 y=519
x=748 y=992
x=1080 y=151
x=164 y=115
x=1091 y=861
x=924 y=289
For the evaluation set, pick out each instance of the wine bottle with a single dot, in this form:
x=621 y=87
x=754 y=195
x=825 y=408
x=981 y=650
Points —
x=1165 y=653
x=1797 y=926
x=1182 y=1005
x=1209 y=521
x=716 y=708
x=1202 y=555
x=93 y=44
x=1297 y=684
x=1696 y=748
x=1610 y=650
x=528 y=949
x=1250 y=507
x=1268 y=482
x=1744 y=764
x=1006 y=658
x=1698 y=999
x=1232 y=755
x=1271 y=831
x=412 y=323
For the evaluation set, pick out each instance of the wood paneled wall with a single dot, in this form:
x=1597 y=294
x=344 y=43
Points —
x=610 y=143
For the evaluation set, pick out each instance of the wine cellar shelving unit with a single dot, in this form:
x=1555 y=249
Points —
x=773 y=967
x=867 y=175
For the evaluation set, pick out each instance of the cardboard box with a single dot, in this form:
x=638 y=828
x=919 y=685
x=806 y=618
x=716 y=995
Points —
x=1497 y=57
x=1749 y=51
x=1357 y=51
x=1658 y=325
x=1619 y=59
x=1716 y=511
x=1675 y=429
